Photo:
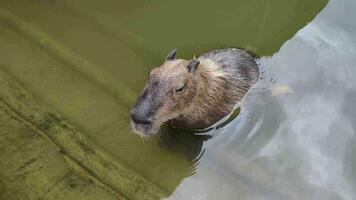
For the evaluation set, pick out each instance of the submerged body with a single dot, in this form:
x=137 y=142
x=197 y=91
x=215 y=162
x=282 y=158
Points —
x=225 y=75
x=195 y=93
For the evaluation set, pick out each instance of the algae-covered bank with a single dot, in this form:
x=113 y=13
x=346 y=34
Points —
x=71 y=70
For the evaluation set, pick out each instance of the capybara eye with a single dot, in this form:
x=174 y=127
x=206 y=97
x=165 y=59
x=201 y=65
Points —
x=180 y=89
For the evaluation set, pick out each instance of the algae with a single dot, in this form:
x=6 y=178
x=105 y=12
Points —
x=76 y=145
x=33 y=168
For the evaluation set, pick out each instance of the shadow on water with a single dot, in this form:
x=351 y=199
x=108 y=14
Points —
x=184 y=141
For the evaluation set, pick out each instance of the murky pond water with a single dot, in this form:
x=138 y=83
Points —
x=88 y=60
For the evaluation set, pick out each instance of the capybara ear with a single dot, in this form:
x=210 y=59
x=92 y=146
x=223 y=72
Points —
x=171 y=55
x=193 y=65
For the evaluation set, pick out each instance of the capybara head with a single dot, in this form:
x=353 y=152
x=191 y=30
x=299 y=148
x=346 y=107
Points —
x=168 y=93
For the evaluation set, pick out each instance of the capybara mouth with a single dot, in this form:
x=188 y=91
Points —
x=145 y=129
x=143 y=125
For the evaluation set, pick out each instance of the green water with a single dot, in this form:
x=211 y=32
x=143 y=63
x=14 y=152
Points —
x=87 y=60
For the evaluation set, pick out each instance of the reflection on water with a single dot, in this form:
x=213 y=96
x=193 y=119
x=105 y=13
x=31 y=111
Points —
x=292 y=146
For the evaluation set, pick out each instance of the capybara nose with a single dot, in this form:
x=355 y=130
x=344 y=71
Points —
x=139 y=119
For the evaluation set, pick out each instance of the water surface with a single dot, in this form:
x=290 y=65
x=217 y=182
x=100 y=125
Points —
x=88 y=60
x=297 y=145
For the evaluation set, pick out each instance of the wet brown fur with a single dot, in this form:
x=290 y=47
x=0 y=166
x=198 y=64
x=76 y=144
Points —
x=211 y=90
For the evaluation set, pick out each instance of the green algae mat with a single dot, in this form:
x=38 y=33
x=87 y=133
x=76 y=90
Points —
x=70 y=70
x=41 y=151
